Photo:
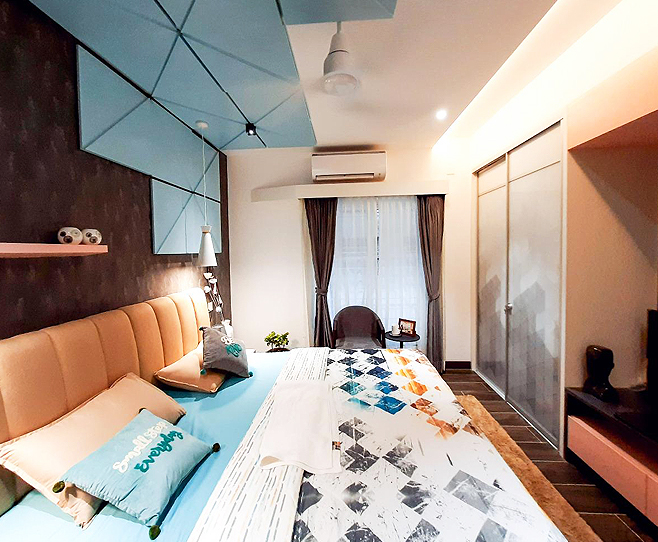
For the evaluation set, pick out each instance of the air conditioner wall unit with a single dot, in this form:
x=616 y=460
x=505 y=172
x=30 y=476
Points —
x=349 y=166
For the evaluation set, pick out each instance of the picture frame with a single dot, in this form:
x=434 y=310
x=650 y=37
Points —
x=407 y=327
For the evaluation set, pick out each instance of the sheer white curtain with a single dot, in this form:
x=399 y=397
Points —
x=354 y=274
x=377 y=260
x=402 y=290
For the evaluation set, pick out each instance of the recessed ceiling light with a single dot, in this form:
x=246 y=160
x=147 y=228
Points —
x=250 y=128
x=441 y=114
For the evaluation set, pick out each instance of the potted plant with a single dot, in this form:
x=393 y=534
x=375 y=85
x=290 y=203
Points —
x=276 y=342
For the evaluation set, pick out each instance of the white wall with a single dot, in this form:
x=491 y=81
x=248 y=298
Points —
x=267 y=248
x=271 y=275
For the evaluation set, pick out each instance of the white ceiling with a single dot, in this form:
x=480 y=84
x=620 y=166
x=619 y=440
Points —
x=566 y=22
x=433 y=54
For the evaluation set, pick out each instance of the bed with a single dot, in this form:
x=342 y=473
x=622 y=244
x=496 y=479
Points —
x=414 y=466
x=223 y=417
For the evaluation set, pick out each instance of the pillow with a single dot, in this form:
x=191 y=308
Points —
x=42 y=456
x=223 y=353
x=185 y=374
x=140 y=468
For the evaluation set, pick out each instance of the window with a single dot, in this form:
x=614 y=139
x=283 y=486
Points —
x=377 y=260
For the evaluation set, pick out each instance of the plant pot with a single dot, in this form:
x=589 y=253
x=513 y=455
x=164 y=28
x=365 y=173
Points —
x=278 y=350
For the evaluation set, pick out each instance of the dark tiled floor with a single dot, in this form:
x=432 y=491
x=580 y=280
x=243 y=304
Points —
x=607 y=513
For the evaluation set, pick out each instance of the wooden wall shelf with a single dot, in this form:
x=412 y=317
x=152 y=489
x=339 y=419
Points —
x=48 y=250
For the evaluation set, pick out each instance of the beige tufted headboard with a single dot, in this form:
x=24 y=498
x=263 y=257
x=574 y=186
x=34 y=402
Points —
x=46 y=373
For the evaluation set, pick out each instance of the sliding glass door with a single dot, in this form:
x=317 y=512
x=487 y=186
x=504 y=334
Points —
x=492 y=274
x=519 y=269
x=535 y=219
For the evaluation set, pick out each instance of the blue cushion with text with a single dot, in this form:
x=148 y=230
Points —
x=140 y=468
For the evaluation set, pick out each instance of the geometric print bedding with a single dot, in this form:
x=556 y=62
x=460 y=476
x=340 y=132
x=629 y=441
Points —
x=415 y=469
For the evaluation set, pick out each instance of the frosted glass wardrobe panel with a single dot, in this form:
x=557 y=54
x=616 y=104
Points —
x=494 y=176
x=492 y=285
x=534 y=292
x=542 y=150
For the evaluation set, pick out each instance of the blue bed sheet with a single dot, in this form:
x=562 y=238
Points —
x=223 y=417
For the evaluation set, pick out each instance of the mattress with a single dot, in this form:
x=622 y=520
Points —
x=415 y=469
x=224 y=417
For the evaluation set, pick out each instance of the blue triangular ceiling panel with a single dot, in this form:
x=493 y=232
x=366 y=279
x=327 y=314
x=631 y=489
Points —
x=325 y=11
x=150 y=140
x=168 y=204
x=135 y=45
x=212 y=180
x=255 y=91
x=104 y=97
x=288 y=125
x=220 y=130
x=184 y=81
x=177 y=10
x=250 y=30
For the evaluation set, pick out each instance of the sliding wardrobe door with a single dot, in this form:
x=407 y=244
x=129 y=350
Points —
x=492 y=274
x=535 y=218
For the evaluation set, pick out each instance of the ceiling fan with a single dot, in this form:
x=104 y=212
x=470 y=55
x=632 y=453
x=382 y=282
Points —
x=340 y=75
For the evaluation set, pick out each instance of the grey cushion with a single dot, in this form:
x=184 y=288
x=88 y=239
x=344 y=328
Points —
x=356 y=343
x=222 y=353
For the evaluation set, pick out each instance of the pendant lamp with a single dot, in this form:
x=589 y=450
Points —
x=207 y=256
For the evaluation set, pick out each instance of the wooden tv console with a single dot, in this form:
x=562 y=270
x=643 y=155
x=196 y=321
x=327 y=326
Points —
x=619 y=442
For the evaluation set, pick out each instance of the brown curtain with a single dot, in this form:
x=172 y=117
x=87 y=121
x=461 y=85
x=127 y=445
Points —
x=430 y=226
x=321 y=218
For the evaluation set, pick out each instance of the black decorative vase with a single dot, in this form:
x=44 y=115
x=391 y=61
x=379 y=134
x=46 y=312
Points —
x=600 y=361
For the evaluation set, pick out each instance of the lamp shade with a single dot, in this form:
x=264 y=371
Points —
x=206 y=250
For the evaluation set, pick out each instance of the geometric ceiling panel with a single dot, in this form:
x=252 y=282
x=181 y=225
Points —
x=228 y=62
x=168 y=204
x=220 y=130
x=251 y=30
x=177 y=220
x=177 y=10
x=212 y=178
x=137 y=46
x=256 y=91
x=287 y=126
x=104 y=97
x=324 y=11
x=144 y=8
x=184 y=81
x=150 y=140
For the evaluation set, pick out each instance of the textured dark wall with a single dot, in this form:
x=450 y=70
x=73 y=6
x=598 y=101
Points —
x=46 y=182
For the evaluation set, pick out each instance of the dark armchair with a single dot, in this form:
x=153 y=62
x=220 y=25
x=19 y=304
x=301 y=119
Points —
x=358 y=327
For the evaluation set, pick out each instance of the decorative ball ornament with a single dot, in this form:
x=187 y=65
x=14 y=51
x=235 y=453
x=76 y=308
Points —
x=91 y=237
x=69 y=236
